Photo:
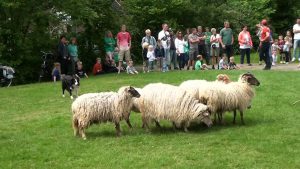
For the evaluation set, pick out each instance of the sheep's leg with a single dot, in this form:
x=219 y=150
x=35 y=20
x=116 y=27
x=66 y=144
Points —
x=118 y=130
x=174 y=126
x=215 y=118
x=222 y=119
x=128 y=123
x=219 y=117
x=157 y=124
x=82 y=133
x=242 y=117
x=234 y=115
x=186 y=125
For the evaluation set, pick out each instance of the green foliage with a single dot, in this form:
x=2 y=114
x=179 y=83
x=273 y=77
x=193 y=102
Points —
x=40 y=135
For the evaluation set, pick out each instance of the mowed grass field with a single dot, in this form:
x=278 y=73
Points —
x=36 y=131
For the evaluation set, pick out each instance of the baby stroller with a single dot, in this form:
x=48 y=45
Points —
x=6 y=75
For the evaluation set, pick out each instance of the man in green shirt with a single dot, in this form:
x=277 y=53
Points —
x=227 y=39
x=207 y=44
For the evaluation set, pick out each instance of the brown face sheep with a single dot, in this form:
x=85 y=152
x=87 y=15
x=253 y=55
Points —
x=102 y=107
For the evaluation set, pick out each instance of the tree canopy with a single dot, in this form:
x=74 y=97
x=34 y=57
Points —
x=28 y=27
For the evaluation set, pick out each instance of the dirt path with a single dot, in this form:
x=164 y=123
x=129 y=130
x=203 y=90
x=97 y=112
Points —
x=281 y=67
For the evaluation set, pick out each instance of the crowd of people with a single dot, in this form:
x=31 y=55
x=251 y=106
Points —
x=196 y=49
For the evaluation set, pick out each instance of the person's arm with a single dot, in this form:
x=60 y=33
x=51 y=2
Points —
x=295 y=30
x=232 y=40
x=129 y=43
x=240 y=38
x=250 y=40
x=154 y=42
x=143 y=40
x=118 y=41
x=221 y=39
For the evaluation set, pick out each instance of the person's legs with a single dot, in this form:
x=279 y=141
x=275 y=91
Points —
x=287 y=57
x=121 y=57
x=243 y=52
x=167 y=56
x=127 y=56
x=248 y=56
x=208 y=53
x=296 y=46
x=173 y=58
x=265 y=54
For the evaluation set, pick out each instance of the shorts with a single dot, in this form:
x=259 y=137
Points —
x=124 y=53
x=229 y=50
x=193 y=54
x=215 y=51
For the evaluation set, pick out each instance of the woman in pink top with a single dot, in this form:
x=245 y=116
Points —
x=245 y=42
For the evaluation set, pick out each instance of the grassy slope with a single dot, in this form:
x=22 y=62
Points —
x=36 y=132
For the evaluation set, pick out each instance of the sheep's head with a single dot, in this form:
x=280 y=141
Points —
x=132 y=92
x=250 y=79
x=223 y=78
x=203 y=114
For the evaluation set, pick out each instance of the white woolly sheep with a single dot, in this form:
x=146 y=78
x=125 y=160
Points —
x=221 y=97
x=102 y=107
x=162 y=101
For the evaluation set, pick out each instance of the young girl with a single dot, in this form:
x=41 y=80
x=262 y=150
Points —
x=274 y=49
x=232 y=64
x=56 y=72
x=199 y=64
x=286 y=49
x=290 y=37
x=130 y=69
x=151 y=58
x=281 y=44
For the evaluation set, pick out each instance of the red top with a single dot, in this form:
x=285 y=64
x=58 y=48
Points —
x=97 y=68
x=263 y=35
x=245 y=38
x=124 y=39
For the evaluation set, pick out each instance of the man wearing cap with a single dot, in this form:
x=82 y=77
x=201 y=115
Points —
x=264 y=44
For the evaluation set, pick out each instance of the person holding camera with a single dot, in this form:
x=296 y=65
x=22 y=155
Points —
x=164 y=37
x=245 y=43
x=215 y=47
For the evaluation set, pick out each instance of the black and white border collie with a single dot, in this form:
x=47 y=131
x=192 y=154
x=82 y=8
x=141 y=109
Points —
x=71 y=84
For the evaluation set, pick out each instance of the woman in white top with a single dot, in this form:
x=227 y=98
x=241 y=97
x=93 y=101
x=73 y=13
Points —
x=245 y=42
x=179 y=44
x=215 y=47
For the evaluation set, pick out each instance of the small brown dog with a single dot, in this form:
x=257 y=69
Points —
x=223 y=78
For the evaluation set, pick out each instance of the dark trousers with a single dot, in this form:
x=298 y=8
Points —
x=287 y=56
x=181 y=59
x=229 y=51
x=247 y=52
x=202 y=51
x=264 y=54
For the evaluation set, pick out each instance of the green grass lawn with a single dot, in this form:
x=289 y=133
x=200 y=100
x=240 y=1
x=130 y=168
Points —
x=36 y=131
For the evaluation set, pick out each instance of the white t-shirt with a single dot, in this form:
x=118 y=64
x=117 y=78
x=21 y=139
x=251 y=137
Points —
x=213 y=37
x=179 y=44
x=151 y=56
x=164 y=36
x=296 y=27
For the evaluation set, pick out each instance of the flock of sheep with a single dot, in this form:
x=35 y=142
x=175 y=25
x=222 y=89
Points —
x=191 y=101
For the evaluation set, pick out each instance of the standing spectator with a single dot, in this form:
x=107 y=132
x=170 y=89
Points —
x=73 y=52
x=109 y=45
x=173 y=55
x=215 y=47
x=207 y=45
x=146 y=41
x=258 y=33
x=159 y=54
x=63 y=56
x=289 y=36
x=296 y=31
x=164 y=37
x=201 y=44
x=97 y=69
x=179 y=44
x=124 y=45
x=227 y=39
x=245 y=42
x=151 y=58
x=186 y=46
x=193 y=53
x=264 y=44
x=286 y=49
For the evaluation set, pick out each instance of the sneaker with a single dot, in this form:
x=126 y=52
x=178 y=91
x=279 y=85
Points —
x=293 y=59
x=259 y=63
x=299 y=59
x=249 y=64
x=273 y=64
x=287 y=63
x=283 y=62
x=266 y=68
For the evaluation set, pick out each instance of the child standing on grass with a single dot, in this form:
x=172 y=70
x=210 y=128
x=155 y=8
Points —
x=223 y=63
x=159 y=54
x=130 y=69
x=151 y=58
x=286 y=49
x=281 y=44
x=232 y=65
x=56 y=72
x=275 y=48
x=199 y=64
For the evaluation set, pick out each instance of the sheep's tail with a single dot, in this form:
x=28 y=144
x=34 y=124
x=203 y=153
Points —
x=75 y=126
x=296 y=102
